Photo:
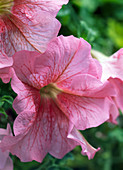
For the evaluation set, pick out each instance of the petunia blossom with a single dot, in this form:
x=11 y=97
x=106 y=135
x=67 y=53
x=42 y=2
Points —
x=59 y=93
x=5 y=160
x=28 y=24
x=112 y=69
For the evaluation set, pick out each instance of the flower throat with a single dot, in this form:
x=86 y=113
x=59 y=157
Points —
x=5 y=6
x=50 y=91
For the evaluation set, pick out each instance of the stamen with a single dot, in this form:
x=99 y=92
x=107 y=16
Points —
x=5 y=6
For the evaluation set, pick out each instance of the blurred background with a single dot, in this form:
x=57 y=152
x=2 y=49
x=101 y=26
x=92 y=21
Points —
x=100 y=22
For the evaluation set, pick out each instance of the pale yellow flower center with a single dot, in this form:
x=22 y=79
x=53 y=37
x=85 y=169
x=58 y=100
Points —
x=5 y=6
x=50 y=91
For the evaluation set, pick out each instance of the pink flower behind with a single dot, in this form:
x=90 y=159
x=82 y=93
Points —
x=111 y=66
x=112 y=70
x=59 y=93
x=5 y=160
x=28 y=24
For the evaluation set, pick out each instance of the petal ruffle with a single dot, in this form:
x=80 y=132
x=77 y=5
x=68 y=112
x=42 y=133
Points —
x=112 y=69
x=118 y=85
x=87 y=149
x=111 y=66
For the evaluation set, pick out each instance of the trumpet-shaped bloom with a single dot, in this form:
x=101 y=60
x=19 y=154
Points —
x=112 y=69
x=59 y=93
x=5 y=160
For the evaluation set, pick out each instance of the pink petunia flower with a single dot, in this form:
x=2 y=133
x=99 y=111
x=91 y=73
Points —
x=112 y=69
x=59 y=93
x=5 y=160
x=26 y=25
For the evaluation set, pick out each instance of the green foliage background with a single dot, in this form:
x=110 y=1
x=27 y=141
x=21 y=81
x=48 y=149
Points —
x=100 y=22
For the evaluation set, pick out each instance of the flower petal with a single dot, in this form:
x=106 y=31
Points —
x=39 y=133
x=24 y=33
x=65 y=57
x=114 y=112
x=87 y=85
x=5 y=67
x=28 y=98
x=12 y=39
x=5 y=161
x=111 y=66
x=6 y=74
x=87 y=149
x=95 y=69
x=38 y=28
x=5 y=61
x=9 y=164
x=31 y=25
x=51 y=6
x=4 y=132
x=118 y=85
x=3 y=158
x=84 y=112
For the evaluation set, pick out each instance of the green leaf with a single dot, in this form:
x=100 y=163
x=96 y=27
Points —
x=7 y=99
x=79 y=3
x=115 y=32
x=89 y=4
x=87 y=33
x=1 y=102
